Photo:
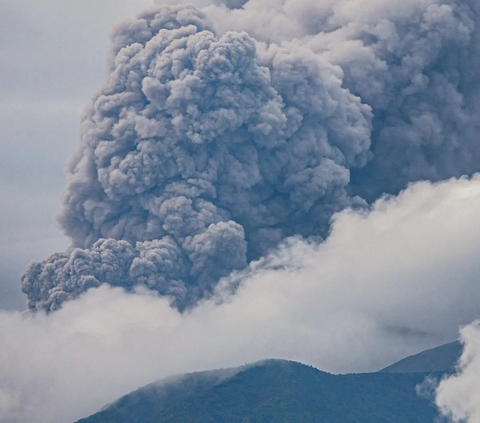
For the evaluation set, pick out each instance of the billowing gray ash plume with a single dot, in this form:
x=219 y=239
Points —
x=415 y=62
x=204 y=149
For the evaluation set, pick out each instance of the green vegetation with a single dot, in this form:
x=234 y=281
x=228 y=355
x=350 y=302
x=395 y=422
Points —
x=274 y=392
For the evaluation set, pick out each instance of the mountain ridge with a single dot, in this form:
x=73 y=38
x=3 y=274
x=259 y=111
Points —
x=282 y=391
x=437 y=359
x=275 y=391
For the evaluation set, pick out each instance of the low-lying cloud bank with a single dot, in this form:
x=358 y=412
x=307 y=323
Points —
x=386 y=283
x=458 y=397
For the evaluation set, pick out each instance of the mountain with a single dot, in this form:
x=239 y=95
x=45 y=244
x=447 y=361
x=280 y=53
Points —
x=274 y=391
x=440 y=359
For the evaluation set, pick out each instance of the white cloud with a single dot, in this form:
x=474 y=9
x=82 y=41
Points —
x=458 y=397
x=385 y=284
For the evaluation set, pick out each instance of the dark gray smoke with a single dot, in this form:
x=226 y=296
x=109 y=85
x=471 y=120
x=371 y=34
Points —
x=201 y=152
x=418 y=69
x=232 y=4
x=414 y=62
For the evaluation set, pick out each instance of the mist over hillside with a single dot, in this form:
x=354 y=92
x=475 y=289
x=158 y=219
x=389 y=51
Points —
x=442 y=359
x=284 y=391
x=275 y=391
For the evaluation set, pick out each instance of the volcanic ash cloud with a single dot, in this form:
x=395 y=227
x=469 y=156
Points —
x=205 y=148
x=196 y=155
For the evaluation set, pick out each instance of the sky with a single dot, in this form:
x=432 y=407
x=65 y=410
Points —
x=53 y=57
x=391 y=280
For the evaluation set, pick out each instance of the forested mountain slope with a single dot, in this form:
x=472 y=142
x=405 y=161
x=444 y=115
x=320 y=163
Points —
x=274 y=391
